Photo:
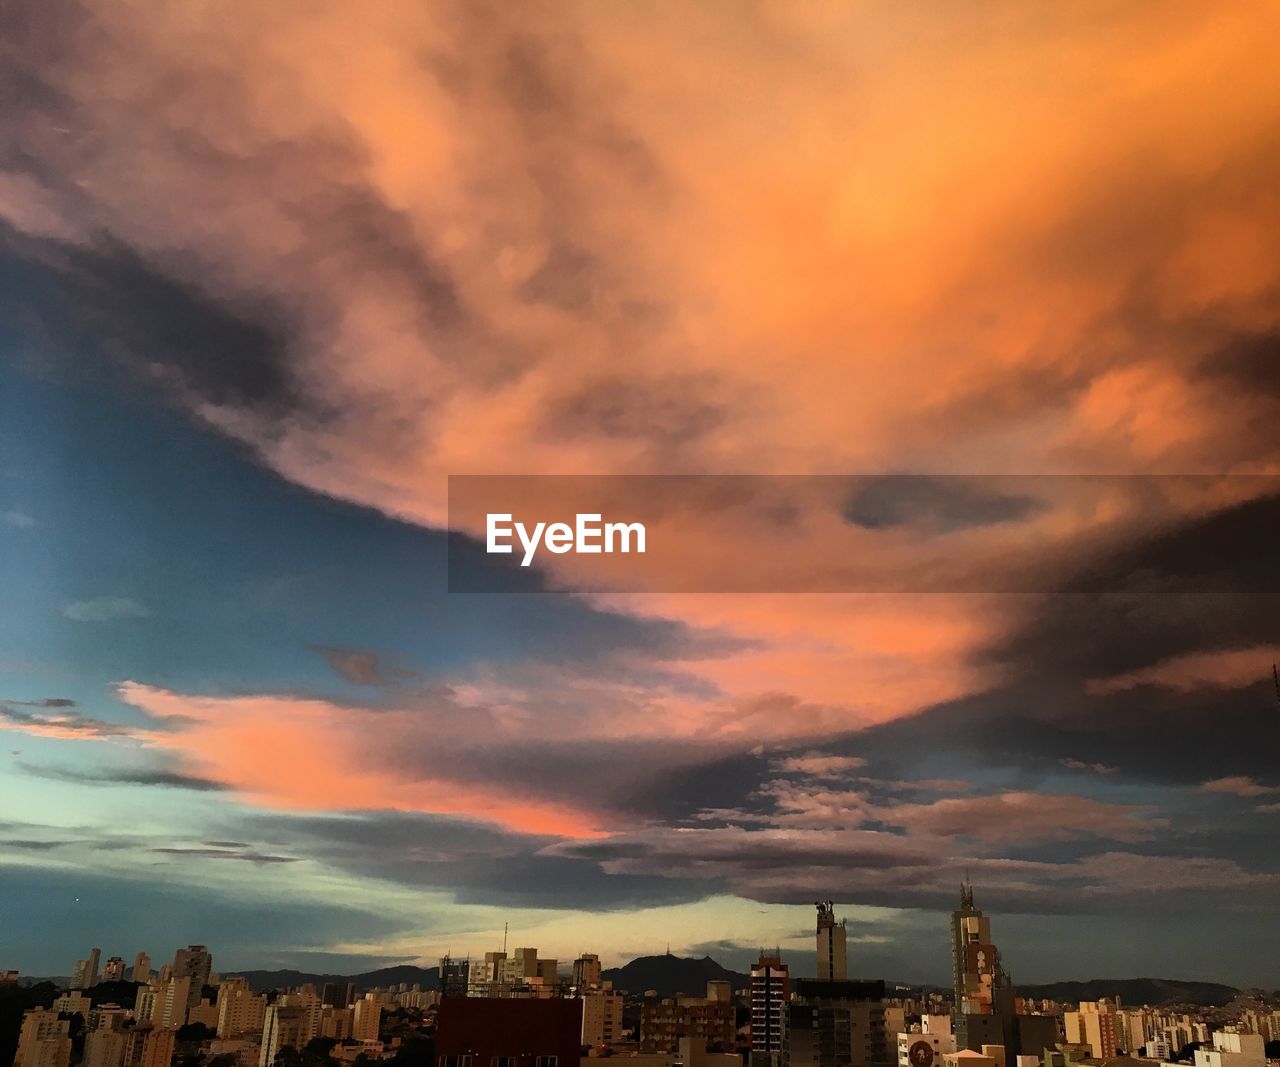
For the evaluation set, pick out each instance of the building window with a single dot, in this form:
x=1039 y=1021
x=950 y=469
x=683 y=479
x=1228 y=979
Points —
x=547 y=1061
x=503 y=1061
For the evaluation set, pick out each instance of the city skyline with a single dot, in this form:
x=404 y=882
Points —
x=268 y=282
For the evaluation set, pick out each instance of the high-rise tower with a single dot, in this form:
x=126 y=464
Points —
x=832 y=944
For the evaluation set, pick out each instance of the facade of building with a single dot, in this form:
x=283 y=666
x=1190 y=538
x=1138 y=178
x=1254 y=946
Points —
x=587 y=971
x=665 y=1023
x=284 y=1025
x=835 y=1024
x=149 y=1046
x=770 y=991
x=240 y=1010
x=1097 y=1025
x=601 y=1014
x=832 y=944
x=509 y=1032
x=1233 y=1050
x=44 y=1040
x=193 y=962
x=365 y=1018
x=927 y=1048
x=105 y=1048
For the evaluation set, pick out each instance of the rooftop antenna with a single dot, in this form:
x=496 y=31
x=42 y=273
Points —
x=504 y=938
x=1275 y=677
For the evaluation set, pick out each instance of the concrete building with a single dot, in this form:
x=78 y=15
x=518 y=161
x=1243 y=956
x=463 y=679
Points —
x=509 y=1032
x=587 y=971
x=1233 y=1050
x=44 y=1040
x=113 y=970
x=193 y=962
x=149 y=1046
x=73 y=1003
x=105 y=1048
x=709 y=1021
x=927 y=1048
x=1095 y=1024
x=240 y=1010
x=601 y=1014
x=141 y=969
x=835 y=1024
x=85 y=973
x=987 y=1011
x=283 y=1025
x=163 y=1003
x=365 y=1017
x=770 y=991
x=832 y=944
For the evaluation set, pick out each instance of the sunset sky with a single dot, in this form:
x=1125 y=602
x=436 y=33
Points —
x=271 y=273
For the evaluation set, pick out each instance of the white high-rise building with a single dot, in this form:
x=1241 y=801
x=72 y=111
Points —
x=365 y=1018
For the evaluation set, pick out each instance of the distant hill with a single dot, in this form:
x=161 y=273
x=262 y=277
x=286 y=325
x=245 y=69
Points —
x=670 y=975
x=262 y=981
x=1135 y=991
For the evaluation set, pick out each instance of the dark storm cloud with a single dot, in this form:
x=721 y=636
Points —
x=162 y=778
x=482 y=864
x=1251 y=362
x=938 y=504
x=105 y=299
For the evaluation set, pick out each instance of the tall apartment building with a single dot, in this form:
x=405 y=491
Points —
x=163 y=1003
x=586 y=971
x=1097 y=1025
x=836 y=1024
x=149 y=1046
x=85 y=974
x=601 y=1014
x=832 y=944
x=113 y=970
x=240 y=1010
x=105 y=1048
x=44 y=1040
x=141 y=969
x=770 y=991
x=365 y=1018
x=196 y=963
x=284 y=1025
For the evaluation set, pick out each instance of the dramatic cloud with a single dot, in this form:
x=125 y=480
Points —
x=378 y=246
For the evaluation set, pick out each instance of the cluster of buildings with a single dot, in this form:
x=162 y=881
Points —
x=518 y=1009
x=187 y=1002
